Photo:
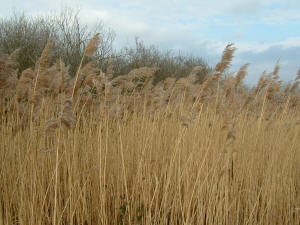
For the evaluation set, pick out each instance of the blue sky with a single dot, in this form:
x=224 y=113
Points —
x=262 y=30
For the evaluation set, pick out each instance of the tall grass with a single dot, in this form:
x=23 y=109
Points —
x=122 y=151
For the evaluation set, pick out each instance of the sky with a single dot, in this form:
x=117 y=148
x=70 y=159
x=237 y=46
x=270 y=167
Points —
x=263 y=31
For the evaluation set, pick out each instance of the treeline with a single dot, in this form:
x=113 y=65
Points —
x=30 y=34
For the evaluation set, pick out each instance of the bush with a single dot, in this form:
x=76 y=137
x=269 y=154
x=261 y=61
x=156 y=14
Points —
x=170 y=64
x=30 y=35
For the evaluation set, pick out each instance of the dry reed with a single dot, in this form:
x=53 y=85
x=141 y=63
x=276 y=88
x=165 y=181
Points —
x=107 y=150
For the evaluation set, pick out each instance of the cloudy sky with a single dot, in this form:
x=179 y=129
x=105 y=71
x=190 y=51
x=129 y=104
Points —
x=264 y=31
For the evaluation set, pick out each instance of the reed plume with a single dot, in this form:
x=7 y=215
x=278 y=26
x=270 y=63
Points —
x=226 y=58
x=92 y=46
x=66 y=117
x=90 y=49
x=45 y=59
x=241 y=75
x=8 y=74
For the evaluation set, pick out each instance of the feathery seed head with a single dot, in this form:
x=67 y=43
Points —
x=45 y=59
x=92 y=45
x=241 y=75
x=226 y=58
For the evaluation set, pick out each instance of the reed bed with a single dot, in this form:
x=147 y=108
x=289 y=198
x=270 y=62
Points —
x=97 y=149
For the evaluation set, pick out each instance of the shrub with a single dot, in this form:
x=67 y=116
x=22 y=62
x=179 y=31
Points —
x=170 y=63
x=30 y=34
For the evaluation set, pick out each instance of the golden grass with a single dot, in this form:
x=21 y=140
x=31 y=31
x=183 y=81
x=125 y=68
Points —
x=122 y=151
